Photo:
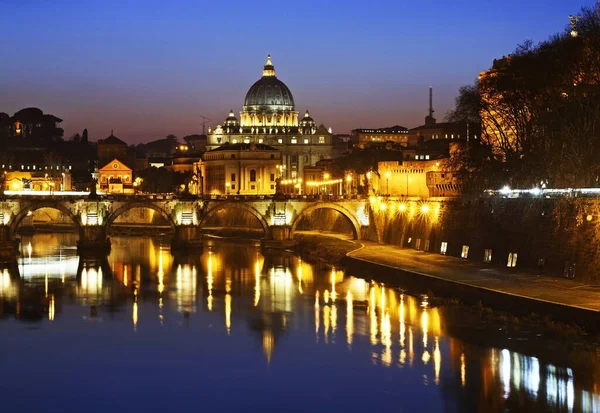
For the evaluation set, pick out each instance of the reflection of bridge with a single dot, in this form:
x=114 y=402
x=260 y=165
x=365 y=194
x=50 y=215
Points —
x=92 y=217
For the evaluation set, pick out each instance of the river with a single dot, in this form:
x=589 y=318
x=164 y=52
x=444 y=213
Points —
x=235 y=330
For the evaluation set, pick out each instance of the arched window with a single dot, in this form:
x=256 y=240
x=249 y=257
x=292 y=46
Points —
x=252 y=175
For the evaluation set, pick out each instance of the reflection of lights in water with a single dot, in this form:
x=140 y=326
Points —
x=134 y=313
x=299 y=275
x=29 y=250
x=531 y=365
x=326 y=296
x=424 y=326
x=91 y=280
x=373 y=318
x=505 y=371
x=186 y=288
x=516 y=373
x=5 y=284
x=46 y=284
x=333 y=294
x=349 y=318
x=256 y=283
x=268 y=344
x=333 y=321
x=51 y=310
x=426 y=356
x=437 y=360
x=228 y=312
x=209 y=282
x=386 y=339
x=411 y=348
x=125 y=275
x=326 y=319
x=463 y=370
x=281 y=289
x=317 y=316
x=402 y=324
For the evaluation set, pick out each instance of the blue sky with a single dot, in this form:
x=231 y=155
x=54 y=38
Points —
x=150 y=68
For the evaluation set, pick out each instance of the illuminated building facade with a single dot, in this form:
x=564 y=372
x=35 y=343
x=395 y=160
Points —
x=116 y=178
x=240 y=168
x=418 y=178
x=269 y=117
x=366 y=137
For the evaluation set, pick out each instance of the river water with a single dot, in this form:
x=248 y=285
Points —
x=231 y=329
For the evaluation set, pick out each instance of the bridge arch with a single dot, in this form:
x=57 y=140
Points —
x=212 y=210
x=34 y=206
x=329 y=205
x=132 y=205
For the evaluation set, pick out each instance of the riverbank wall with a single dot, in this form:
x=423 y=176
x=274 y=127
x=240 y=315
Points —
x=548 y=236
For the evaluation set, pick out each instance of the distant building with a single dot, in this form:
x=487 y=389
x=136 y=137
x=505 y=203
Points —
x=34 y=169
x=416 y=178
x=446 y=130
x=269 y=117
x=241 y=168
x=395 y=134
x=31 y=122
x=116 y=178
x=111 y=148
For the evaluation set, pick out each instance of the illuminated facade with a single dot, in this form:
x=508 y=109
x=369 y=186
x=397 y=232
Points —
x=269 y=117
x=116 y=178
x=422 y=178
x=242 y=169
x=395 y=134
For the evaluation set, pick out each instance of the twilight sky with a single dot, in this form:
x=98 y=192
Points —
x=153 y=67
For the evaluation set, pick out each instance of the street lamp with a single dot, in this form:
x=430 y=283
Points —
x=387 y=182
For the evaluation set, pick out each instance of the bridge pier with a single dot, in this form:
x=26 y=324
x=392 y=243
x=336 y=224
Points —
x=187 y=237
x=93 y=242
x=278 y=237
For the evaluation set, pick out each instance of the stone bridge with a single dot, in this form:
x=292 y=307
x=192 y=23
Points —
x=92 y=217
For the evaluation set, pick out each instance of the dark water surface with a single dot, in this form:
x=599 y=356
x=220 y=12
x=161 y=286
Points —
x=234 y=330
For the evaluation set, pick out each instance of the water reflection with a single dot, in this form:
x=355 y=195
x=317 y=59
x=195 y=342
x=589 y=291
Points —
x=240 y=292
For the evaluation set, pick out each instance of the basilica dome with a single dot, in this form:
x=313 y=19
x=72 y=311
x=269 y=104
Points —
x=269 y=92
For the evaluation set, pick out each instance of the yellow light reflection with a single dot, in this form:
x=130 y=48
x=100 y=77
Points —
x=463 y=370
x=326 y=320
x=402 y=323
x=134 y=314
x=228 y=312
x=349 y=319
x=256 y=283
x=437 y=360
x=51 y=309
x=317 y=316
x=333 y=295
x=209 y=282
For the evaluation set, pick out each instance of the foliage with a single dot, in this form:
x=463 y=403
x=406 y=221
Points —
x=163 y=180
x=540 y=113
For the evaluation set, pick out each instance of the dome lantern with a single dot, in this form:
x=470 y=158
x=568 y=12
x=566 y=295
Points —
x=269 y=69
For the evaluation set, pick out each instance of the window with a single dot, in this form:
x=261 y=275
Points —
x=272 y=177
x=280 y=140
x=321 y=139
x=487 y=256
x=260 y=140
x=444 y=248
x=305 y=141
x=465 y=251
x=232 y=177
x=418 y=244
x=294 y=158
x=234 y=140
x=272 y=187
x=272 y=156
x=294 y=140
x=426 y=156
x=252 y=187
x=232 y=186
x=232 y=156
x=252 y=176
x=426 y=247
x=246 y=140
x=512 y=260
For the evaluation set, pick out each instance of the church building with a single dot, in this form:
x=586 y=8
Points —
x=269 y=117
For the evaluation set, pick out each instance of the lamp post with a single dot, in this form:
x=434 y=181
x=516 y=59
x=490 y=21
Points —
x=387 y=182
